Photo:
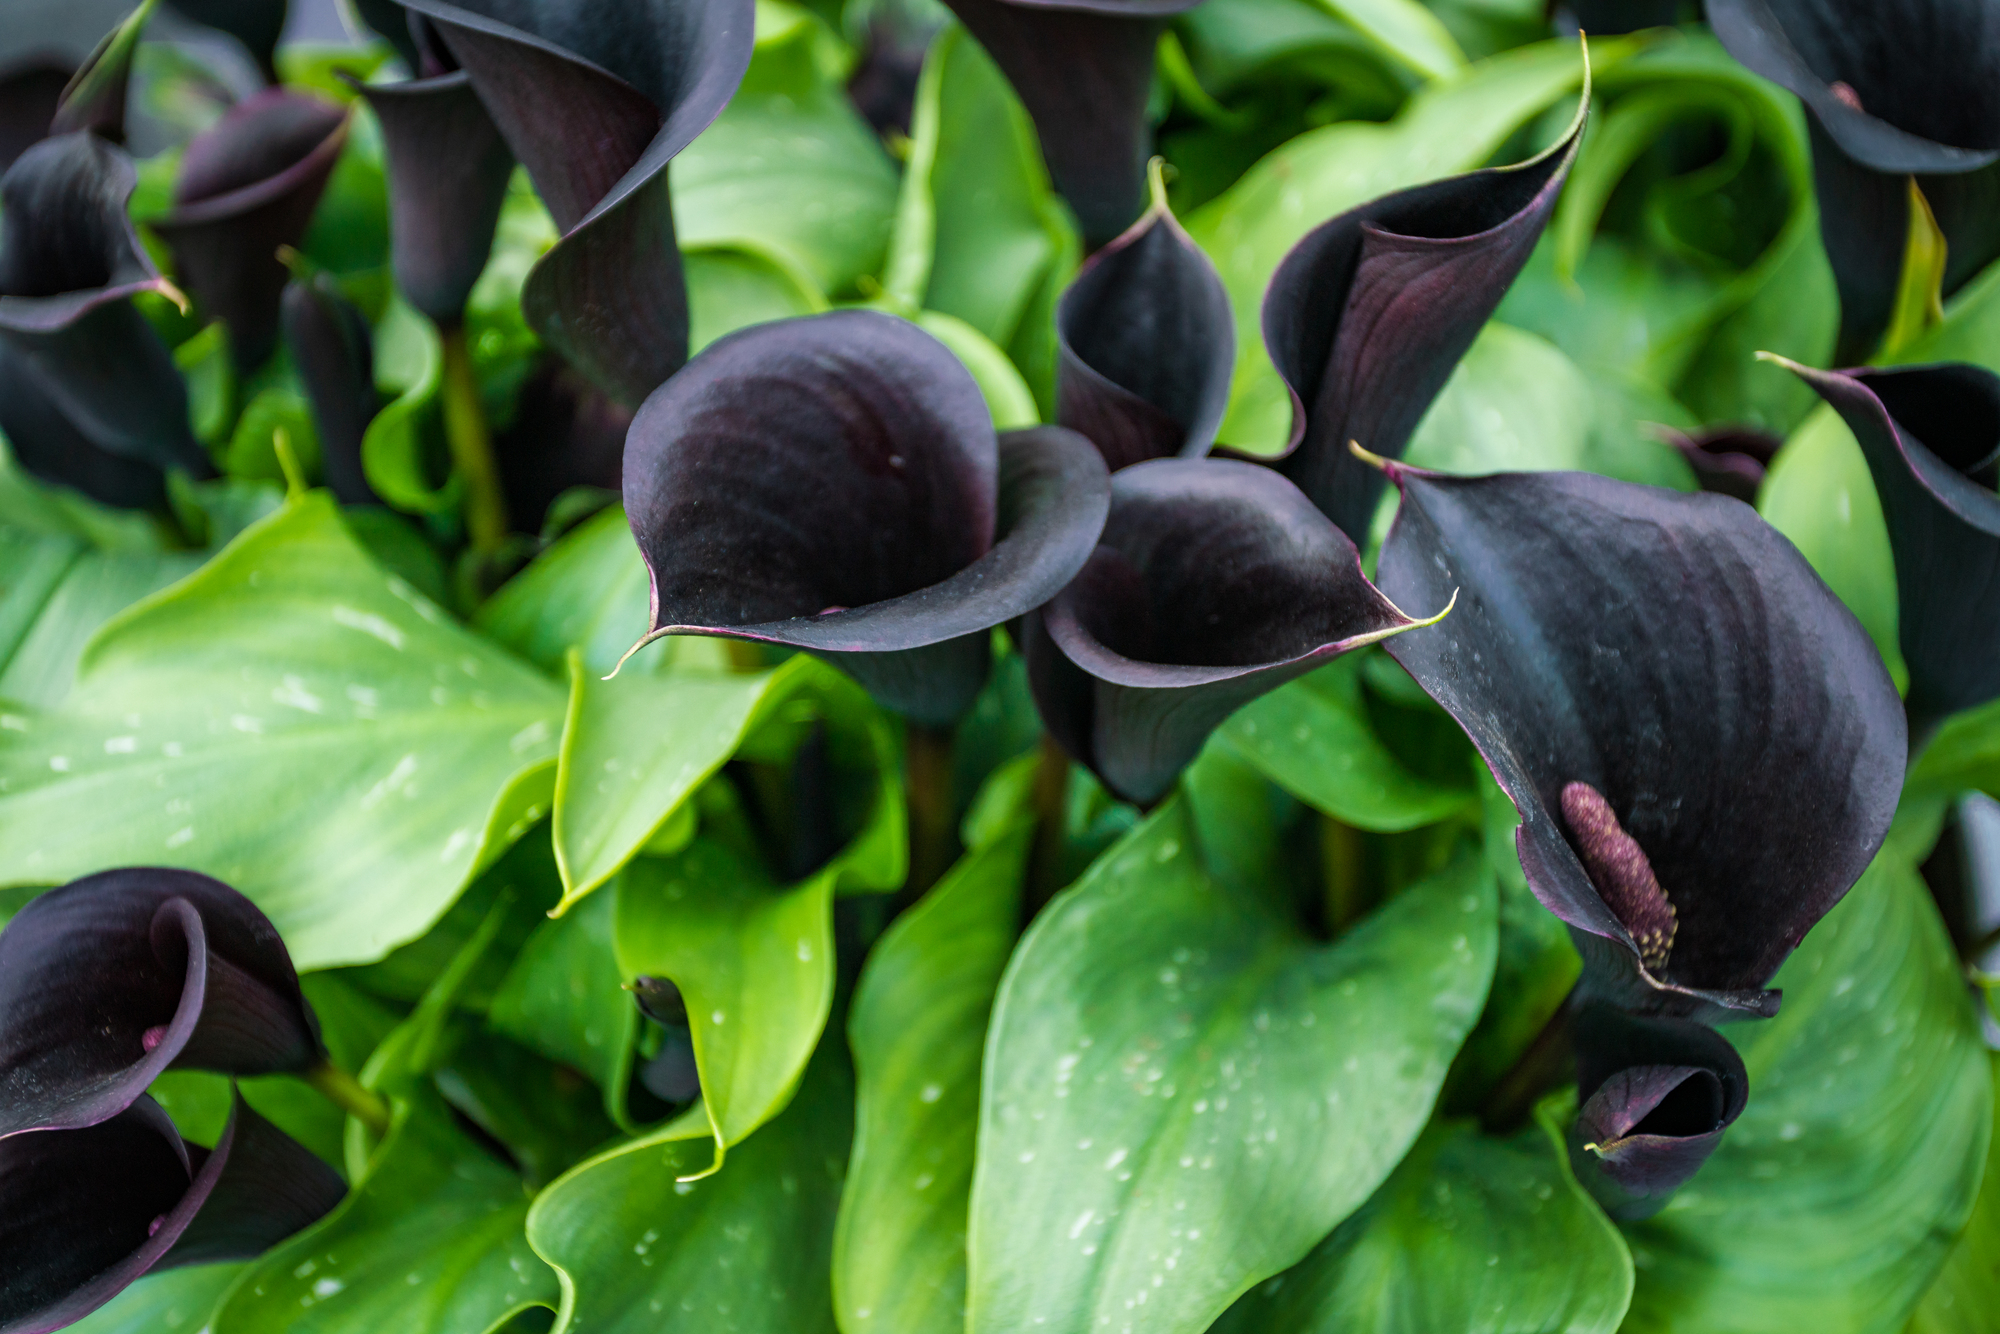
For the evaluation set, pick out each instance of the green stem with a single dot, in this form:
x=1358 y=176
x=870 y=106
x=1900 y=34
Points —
x=933 y=836
x=1344 y=875
x=346 y=1092
x=1546 y=1063
x=472 y=447
x=1051 y=797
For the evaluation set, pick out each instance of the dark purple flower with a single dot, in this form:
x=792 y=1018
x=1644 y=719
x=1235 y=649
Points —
x=566 y=432
x=248 y=186
x=595 y=97
x=334 y=354
x=89 y=395
x=109 y=980
x=1214 y=582
x=256 y=23
x=1147 y=344
x=1931 y=435
x=883 y=86
x=1728 y=460
x=670 y=1074
x=1084 y=70
x=834 y=483
x=448 y=170
x=1702 y=742
x=83 y=1213
x=1897 y=90
x=94 y=99
x=30 y=90
x=1605 y=18
x=1657 y=1096
x=1368 y=315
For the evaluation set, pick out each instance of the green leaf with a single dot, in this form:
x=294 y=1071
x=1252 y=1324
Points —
x=918 y=1030
x=296 y=723
x=1514 y=404
x=1313 y=738
x=55 y=592
x=637 y=746
x=1406 y=31
x=1971 y=328
x=589 y=592
x=430 y=1243
x=1450 y=127
x=1819 y=494
x=1835 y=1199
x=789 y=170
x=1008 y=397
x=754 y=962
x=973 y=234
x=1919 y=303
x=729 y=289
x=398 y=451
x=1471 y=1233
x=170 y=1301
x=1964 y=754
x=644 y=1250
x=1967 y=1293
x=252 y=449
x=1184 y=1092
x=565 y=999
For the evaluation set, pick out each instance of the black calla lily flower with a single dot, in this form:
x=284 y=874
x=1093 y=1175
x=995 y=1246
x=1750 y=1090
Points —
x=107 y=981
x=1368 y=315
x=448 y=170
x=1894 y=91
x=883 y=86
x=94 y=99
x=1147 y=345
x=1931 y=435
x=84 y=1213
x=393 y=24
x=1084 y=70
x=258 y=24
x=1214 y=582
x=1608 y=18
x=670 y=1074
x=834 y=483
x=334 y=352
x=247 y=187
x=1657 y=1096
x=89 y=394
x=1728 y=460
x=30 y=91
x=1702 y=742
x=595 y=97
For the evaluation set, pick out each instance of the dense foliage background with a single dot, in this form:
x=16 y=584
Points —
x=1251 y=1060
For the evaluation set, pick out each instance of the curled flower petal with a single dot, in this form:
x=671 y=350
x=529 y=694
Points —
x=1893 y=91
x=595 y=97
x=1657 y=1096
x=834 y=483
x=70 y=263
x=1676 y=658
x=1368 y=315
x=1214 y=582
x=94 y=99
x=448 y=171
x=1728 y=460
x=1083 y=69
x=108 y=980
x=247 y=187
x=1147 y=344
x=1931 y=435
x=334 y=353
x=84 y=1213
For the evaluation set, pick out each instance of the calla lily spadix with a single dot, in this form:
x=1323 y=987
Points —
x=1893 y=91
x=1147 y=344
x=1702 y=743
x=1214 y=582
x=1368 y=315
x=1084 y=71
x=834 y=483
x=595 y=97
x=84 y=1213
x=89 y=395
x=109 y=980
x=1931 y=435
x=247 y=187
x=1656 y=1097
